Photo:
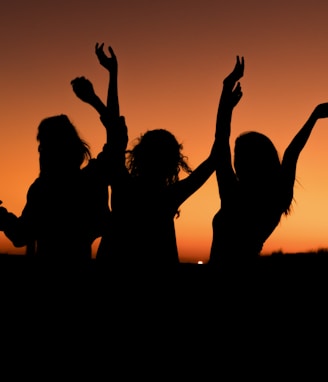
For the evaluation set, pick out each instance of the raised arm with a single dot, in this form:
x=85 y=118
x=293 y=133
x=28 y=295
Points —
x=297 y=144
x=114 y=123
x=109 y=114
x=84 y=90
x=110 y=63
x=230 y=96
x=186 y=187
x=220 y=153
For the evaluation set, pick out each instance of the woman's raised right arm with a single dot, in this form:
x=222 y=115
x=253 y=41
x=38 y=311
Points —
x=230 y=96
x=297 y=144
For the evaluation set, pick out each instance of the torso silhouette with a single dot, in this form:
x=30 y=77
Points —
x=257 y=188
x=143 y=230
x=64 y=215
x=243 y=224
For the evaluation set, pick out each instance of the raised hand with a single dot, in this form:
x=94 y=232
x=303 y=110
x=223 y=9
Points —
x=110 y=63
x=83 y=88
x=321 y=110
x=237 y=72
x=236 y=95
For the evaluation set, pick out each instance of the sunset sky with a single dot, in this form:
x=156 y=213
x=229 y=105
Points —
x=173 y=56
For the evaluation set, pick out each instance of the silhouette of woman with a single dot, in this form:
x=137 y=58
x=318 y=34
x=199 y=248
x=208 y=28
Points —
x=67 y=205
x=258 y=190
x=146 y=191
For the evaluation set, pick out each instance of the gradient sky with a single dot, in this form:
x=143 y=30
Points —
x=173 y=56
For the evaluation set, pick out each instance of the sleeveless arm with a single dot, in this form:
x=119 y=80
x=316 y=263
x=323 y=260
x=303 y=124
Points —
x=230 y=96
x=186 y=187
x=292 y=152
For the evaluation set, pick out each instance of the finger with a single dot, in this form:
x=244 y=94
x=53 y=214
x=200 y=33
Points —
x=99 y=47
x=237 y=87
x=78 y=79
x=111 y=51
x=73 y=81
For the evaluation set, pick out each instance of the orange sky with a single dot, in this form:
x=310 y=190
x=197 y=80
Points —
x=173 y=56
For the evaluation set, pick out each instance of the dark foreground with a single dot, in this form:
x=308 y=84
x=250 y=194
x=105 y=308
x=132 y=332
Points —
x=267 y=274
x=271 y=310
x=272 y=288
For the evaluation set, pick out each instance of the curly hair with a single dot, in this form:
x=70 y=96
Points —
x=157 y=153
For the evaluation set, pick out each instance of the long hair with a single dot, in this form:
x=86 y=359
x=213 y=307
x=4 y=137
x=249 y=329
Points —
x=157 y=154
x=58 y=138
x=257 y=163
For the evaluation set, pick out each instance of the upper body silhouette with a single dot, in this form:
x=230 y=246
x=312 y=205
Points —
x=67 y=204
x=257 y=189
x=146 y=190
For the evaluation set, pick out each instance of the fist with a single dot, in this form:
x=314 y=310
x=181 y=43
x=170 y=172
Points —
x=83 y=88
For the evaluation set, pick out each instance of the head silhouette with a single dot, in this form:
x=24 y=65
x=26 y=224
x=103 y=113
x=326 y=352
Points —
x=60 y=147
x=157 y=156
x=256 y=159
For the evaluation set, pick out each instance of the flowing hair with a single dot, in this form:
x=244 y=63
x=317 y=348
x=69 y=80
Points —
x=58 y=132
x=257 y=161
x=157 y=151
x=157 y=154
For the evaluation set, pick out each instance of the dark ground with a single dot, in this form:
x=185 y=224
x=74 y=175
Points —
x=275 y=272
x=58 y=315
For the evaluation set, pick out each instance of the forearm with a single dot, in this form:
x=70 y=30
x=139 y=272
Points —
x=301 y=138
x=195 y=180
x=223 y=164
x=223 y=126
x=117 y=134
x=223 y=118
x=230 y=96
x=112 y=97
x=97 y=104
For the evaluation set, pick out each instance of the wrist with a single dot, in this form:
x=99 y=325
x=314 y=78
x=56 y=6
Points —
x=314 y=116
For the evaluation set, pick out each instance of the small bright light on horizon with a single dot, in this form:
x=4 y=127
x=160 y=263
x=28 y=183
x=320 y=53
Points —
x=199 y=262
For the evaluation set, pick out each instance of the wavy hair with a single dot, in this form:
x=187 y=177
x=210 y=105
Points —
x=257 y=162
x=157 y=153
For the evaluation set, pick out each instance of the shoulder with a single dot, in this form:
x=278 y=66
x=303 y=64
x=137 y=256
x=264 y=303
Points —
x=94 y=168
x=35 y=189
x=90 y=168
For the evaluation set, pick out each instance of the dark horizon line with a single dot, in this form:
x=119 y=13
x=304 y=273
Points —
x=319 y=251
